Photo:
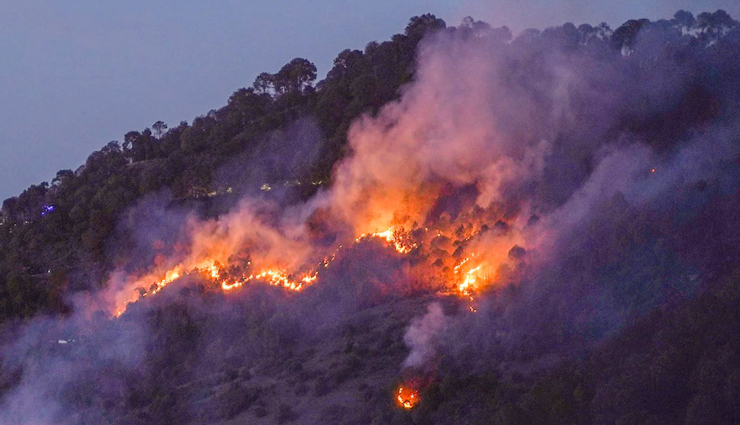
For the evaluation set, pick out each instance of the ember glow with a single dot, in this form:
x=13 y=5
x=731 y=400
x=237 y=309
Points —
x=407 y=397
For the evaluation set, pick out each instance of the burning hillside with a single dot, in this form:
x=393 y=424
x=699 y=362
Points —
x=520 y=203
x=441 y=259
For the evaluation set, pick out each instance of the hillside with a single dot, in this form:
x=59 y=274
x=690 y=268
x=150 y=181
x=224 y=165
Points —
x=456 y=226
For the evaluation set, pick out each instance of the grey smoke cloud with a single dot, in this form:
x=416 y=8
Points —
x=422 y=335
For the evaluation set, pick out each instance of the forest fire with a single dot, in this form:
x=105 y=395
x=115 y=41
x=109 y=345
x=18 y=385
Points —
x=407 y=397
x=463 y=277
x=282 y=277
x=396 y=239
x=444 y=215
x=273 y=277
x=446 y=218
x=470 y=279
x=452 y=217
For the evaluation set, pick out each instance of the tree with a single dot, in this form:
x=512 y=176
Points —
x=264 y=83
x=295 y=76
x=62 y=177
x=684 y=19
x=714 y=25
x=626 y=35
x=159 y=129
x=419 y=26
x=346 y=65
x=195 y=137
x=9 y=210
x=132 y=147
x=245 y=105
x=470 y=26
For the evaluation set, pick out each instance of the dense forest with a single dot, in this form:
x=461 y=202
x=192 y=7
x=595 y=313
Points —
x=659 y=343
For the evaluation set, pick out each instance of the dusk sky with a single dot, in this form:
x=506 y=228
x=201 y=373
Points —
x=78 y=74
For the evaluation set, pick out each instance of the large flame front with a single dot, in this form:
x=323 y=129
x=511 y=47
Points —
x=466 y=276
x=282 y=277
x=274 y=277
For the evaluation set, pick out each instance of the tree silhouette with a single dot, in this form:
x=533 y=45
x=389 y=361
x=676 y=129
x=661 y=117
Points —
x=295 y=76
x=159 y=128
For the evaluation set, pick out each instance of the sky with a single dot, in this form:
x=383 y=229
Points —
x=77 y=74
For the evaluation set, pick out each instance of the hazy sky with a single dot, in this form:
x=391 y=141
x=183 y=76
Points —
x=76 y=74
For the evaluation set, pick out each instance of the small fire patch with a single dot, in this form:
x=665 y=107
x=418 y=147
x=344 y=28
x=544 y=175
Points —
x=407 y=397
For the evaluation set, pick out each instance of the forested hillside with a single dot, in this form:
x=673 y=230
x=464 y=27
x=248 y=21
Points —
x=56 y=237
x=615 y=211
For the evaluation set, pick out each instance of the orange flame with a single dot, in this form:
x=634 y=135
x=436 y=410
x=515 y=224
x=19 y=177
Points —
x=208 y=253
x=274 y=278
x=397 y=241
x=407 y=397
x=210 y=269
x=465 y=280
